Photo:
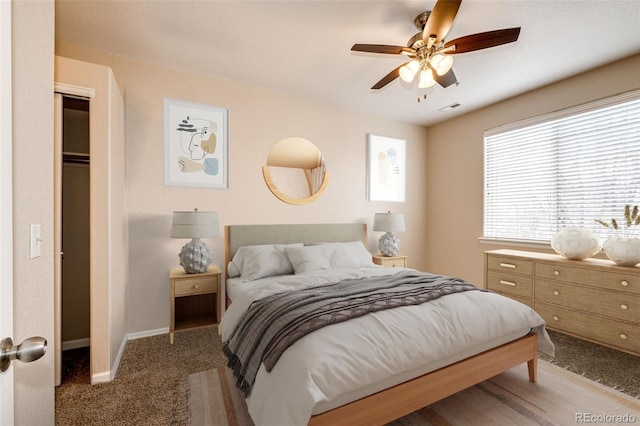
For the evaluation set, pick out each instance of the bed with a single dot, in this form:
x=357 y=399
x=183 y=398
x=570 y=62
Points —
x=373 y=368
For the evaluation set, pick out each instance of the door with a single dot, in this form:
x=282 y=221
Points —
x=6 y=210
x=57 y=236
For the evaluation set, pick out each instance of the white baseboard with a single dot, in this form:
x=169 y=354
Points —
x=75 y=344
x=101 y=378
x=108 y=376
x=116 y=363
x=147 y=333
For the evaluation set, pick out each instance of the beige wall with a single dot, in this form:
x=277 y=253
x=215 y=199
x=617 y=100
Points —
x=32 y=63
x=118 y=226
x=444 y=217
x=455 y=163
x=258 y=118
x=108 y=228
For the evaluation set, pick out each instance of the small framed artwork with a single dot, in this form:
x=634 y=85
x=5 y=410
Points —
x=385 y=168
x=195 y=145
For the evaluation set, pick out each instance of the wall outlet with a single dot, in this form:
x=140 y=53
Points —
x=35 y=241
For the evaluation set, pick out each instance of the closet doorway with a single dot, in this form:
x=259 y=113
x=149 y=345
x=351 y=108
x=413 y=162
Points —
x=73 y=199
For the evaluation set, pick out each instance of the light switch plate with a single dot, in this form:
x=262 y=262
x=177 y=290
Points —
x=35 y=241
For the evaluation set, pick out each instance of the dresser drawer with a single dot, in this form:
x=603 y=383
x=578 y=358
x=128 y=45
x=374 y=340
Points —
x=510 y=265
x=524 y=301
x=518 y=285
x=185 y=287
x=608 y=303
x=609 y=332
x=597 y=278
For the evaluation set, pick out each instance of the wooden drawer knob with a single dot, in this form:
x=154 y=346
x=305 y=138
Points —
x=624 y=307
x=624 y=283
x=556 y=293
x=196 y=286
x=555 y=318
x=556 y=273
x=623 y=336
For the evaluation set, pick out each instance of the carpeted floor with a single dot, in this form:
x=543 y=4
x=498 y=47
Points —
x=560 y=397
x=618 y=370
x=151 y=386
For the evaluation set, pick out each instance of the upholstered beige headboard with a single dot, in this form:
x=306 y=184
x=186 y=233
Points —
x=245 y=235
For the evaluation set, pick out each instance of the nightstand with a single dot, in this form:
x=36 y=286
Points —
x=390 y=261
x=194 y=299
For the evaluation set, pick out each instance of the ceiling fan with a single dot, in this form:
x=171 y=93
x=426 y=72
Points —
x=429 y=54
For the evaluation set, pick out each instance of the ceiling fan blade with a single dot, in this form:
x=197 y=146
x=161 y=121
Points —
x=445 y=80
x=483 y=40
x=440 y=20
x=381 y=48
x=388 y=78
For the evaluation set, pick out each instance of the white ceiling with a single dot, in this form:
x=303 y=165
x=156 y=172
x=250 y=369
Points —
x=303 y=47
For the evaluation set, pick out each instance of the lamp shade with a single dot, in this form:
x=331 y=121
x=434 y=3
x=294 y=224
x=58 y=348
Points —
x=388 y=222
x=408 y=71
x=426 y=79
x=194 y=224
x=442 y=63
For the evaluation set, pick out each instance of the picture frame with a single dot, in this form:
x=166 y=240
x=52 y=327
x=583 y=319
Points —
x=195 y=145
x=386 y=174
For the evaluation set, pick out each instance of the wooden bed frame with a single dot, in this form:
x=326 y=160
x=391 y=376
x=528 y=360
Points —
x=397 y=401
x=400 y=400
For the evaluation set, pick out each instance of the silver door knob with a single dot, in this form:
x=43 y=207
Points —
x=28 y=351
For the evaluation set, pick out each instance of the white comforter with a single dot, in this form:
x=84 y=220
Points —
x=344 y=362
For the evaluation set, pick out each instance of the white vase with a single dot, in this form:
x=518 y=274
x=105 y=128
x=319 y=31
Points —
x=623 y=251
x=576 y=243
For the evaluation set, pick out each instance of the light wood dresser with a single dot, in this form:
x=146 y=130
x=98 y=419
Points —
x=593 y=299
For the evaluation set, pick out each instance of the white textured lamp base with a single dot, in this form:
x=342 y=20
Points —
x=389 y=244
x=195 y=256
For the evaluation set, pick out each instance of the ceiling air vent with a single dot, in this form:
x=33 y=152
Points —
x=450 y=107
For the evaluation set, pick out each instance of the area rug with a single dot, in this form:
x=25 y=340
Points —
x=558 y=398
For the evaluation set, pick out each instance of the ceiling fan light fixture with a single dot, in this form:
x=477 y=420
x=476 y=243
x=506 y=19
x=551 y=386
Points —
x=426 y=79
x=408 y=71
x=441 y=63
x=428 y=50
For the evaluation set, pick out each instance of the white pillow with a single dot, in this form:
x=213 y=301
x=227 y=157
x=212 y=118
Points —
x=259 y=261
x=351 y=255
x=309 y=258
x=329 y=256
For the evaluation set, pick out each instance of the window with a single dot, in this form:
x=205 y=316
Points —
x=567 y=168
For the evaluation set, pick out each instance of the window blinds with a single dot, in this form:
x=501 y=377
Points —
x=567 y=168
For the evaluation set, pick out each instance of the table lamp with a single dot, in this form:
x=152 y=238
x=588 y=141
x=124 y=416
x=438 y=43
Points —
x=388 y=244
x=195 y=256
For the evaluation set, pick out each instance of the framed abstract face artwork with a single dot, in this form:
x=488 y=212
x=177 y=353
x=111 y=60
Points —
x=386 y=172
x=195 y=145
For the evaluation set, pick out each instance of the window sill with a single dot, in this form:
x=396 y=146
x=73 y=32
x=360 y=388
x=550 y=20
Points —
x=516 y=243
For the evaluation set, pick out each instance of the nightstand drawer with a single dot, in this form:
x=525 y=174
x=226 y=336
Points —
x=518 y=285
x=510 y=265
x=390 y=261
x=185 y=287
x=394 y=263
